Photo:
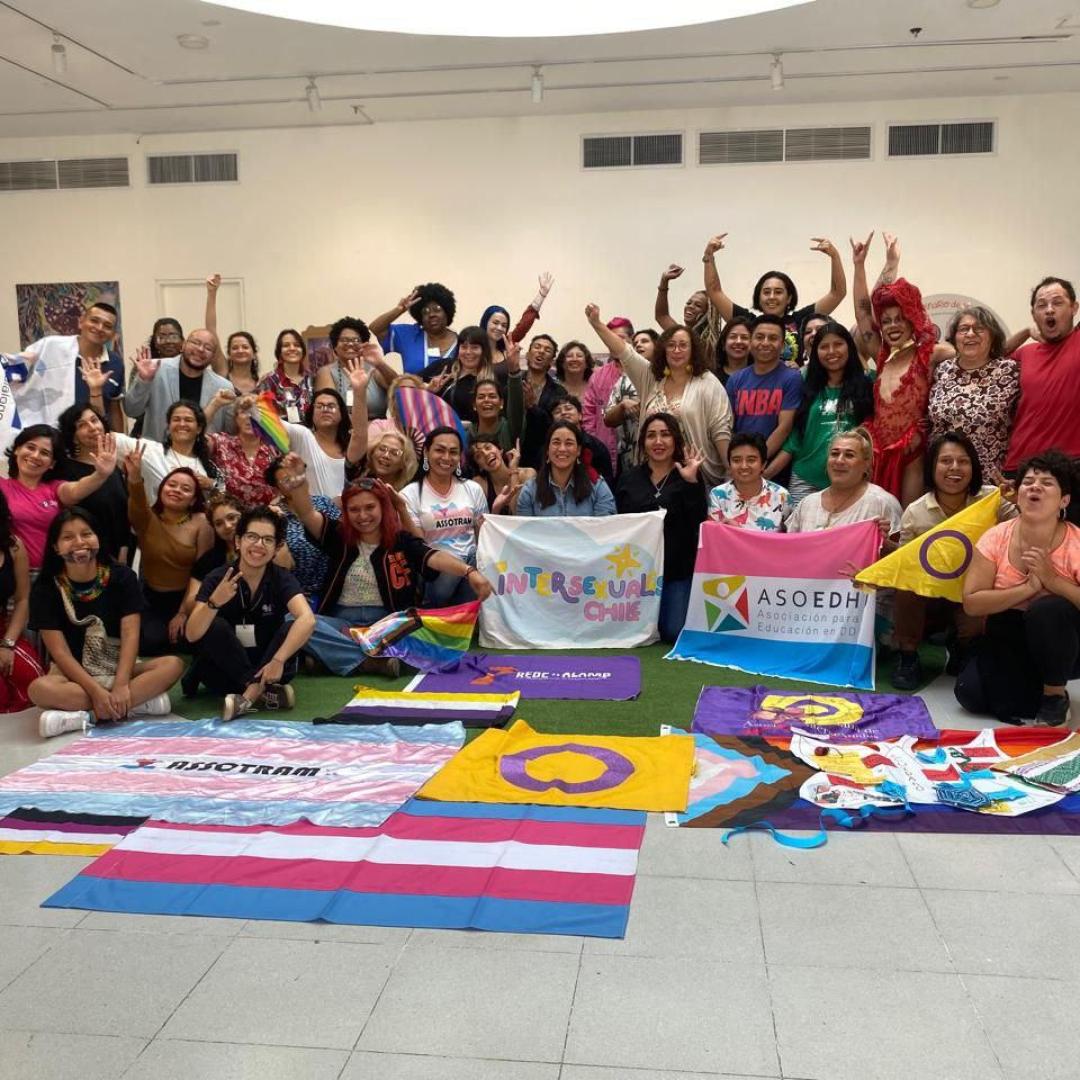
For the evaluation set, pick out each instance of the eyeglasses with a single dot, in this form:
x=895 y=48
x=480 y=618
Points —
x=971 y=328
x=363 y=483
x=260 y=539
x=168 y=335
x=388 y=451
x=326 y=406
x=349 y=341
x=202 y=346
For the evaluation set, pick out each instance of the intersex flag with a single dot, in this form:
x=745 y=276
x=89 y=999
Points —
x=783 y=604
x=934 y=564
x=428 y=639
x=423 y=411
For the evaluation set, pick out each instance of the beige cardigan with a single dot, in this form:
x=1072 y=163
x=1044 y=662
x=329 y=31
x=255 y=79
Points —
x=705 y=415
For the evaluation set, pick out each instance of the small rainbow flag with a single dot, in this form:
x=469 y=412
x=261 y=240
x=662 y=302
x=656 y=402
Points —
x=267 y=423
x=424 y=411
x=429 y=639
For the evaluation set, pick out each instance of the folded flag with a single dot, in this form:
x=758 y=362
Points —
x=267 y=423
x=423 y=411
x=371 y=706
x=429 y=639
x=935 y=563
x=27 y=831
x=516 y=869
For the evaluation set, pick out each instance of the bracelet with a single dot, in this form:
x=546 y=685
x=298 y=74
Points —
x=7 y=643
x=211 y=605
x=661 y=288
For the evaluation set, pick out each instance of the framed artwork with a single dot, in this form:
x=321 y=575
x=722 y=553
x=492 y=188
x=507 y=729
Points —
x=54 y=308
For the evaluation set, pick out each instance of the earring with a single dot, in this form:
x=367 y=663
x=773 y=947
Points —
x=1061 y=513
x=426 y=466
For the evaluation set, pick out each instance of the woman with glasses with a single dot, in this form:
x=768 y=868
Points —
x=428 y=338
x=377 y=566
x=976 y=391
x=166 y=339
x=290 y=381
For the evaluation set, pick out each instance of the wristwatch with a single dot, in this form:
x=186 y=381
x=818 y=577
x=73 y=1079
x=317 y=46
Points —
x=7 y=643
x=211 y=605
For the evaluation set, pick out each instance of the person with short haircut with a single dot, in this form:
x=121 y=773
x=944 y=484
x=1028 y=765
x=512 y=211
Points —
x=562 y=488
x=1024 y=579
x=954 y=480
x=1049 y=376
x=541 y=392
x=594 y=455
x=428 y=337
x=748 y=500
x=766 y=394
x=245 y=645
x=352 y=344
x=88 y=610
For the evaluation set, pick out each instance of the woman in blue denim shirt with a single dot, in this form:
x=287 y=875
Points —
x=563 y=487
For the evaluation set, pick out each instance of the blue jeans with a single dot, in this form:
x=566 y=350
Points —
x=674 y=600
x=335 y=648
x=449 y=589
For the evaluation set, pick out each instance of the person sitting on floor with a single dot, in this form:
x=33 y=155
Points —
x=88 y=610
x=244 y=646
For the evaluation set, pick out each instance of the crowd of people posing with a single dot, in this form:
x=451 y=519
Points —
x=253 y=563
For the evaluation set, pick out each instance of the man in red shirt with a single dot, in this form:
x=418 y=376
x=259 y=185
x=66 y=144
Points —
x=1047 y=416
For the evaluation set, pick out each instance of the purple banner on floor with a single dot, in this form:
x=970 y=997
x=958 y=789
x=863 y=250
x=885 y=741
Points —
x=835 y=716
x=578 y=678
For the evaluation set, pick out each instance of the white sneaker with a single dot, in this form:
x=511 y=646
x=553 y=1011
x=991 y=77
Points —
x=236 y=705
x=156 y=706
x=57 y=722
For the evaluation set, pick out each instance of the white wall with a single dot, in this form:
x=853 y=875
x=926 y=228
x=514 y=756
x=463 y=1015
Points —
x=345 y=220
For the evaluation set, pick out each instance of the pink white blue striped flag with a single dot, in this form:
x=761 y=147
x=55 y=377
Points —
x=424 y=411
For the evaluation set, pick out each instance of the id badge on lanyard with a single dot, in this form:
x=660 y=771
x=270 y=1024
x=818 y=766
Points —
x=245 y=634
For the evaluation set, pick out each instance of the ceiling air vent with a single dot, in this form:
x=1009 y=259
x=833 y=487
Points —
x=827 y=144
x=191 y=168
x=93 y=172
x=27 y=175
x=740 y=147
x=922 y=140
x=626 y=151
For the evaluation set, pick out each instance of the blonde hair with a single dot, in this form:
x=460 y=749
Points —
x=409 y=464
x=866 y=443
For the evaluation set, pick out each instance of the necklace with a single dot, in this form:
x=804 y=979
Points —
x=85 y=591
x=845 y=505
x=182 y=520
x=657 y=488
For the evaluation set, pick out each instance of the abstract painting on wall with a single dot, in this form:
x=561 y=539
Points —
x=55 y=307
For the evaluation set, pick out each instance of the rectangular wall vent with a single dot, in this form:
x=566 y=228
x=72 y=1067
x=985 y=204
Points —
x=93 y=172
x=827 y=144
x=626 y=151
x=740 y=147
x=191 y=168
x=27 y=175
x=923 y=140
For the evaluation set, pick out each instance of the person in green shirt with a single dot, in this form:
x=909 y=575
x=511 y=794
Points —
x=837 y=397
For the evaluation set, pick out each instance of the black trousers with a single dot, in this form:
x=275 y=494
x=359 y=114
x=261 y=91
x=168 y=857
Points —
x=154 y=626
x=1020 y=653
x=225 y=666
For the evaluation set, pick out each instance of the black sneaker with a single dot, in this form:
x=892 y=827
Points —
x=278 y=696
x=908 y=673
x=1053 y=710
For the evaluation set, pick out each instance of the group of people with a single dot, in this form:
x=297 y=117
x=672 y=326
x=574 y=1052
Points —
x=251 y=562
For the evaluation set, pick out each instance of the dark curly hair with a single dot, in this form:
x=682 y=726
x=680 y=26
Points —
x=200 y=449
x=440 y=294
x=348 y=323
x=698 y=360
x=1061 y=467
x=560 y=360
x=68 y=421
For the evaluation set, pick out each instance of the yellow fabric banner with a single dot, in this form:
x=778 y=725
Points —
x=522 y=766
x=935 y=563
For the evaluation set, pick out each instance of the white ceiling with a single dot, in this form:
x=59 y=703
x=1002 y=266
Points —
x=126 y=72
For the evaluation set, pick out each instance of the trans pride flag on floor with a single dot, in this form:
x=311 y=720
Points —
x=520 y=869
x=781 y=604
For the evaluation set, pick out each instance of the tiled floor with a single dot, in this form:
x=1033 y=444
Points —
x=914 y=957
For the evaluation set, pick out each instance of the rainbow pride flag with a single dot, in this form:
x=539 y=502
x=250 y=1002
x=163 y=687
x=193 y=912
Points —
x=267 y=423
x=424 y=411
x=428 y=639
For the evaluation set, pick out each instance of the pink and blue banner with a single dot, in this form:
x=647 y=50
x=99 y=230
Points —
x=585 y=678
x=783 y=604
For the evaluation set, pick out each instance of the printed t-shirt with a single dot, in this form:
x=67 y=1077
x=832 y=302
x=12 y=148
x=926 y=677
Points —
x=32 y=512
x=265 y=610
x=121 y=597
x=766 y=511
x=809 y=448
x=449 y=522
x=757 y=400
x=994 y=545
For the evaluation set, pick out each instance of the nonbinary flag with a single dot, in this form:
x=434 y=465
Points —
x=783 y=604
x=934 y=564
x=424 y=411
x=371 y=706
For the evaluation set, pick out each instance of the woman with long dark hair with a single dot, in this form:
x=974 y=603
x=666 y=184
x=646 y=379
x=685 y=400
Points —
x=20 y=664
x=87 y=609
x=290 y=381
x=733 y=347
x=455 y=380
x=562 y=487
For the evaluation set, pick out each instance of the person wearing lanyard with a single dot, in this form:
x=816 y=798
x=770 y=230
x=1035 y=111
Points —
x=290 y=381
x=244 y=647
x=349 y=338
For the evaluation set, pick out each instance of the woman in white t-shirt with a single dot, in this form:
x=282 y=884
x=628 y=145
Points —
x=448 y=512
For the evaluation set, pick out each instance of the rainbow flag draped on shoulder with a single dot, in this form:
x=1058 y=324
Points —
x=429 y=639
x=782 y=604
x=267 y=423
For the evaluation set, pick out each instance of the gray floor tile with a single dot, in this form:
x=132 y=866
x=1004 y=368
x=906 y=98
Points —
x=862 y=858
x=43 y=1055
x=849 y=926
x=991 y=934
x=677 y=1014
x=695 y=853
x=20 y=946
x=98 y=983
x=483 y=939
x=835 y=1024
x=323 y=931
x=178 y=1059
x=592 y=1072
x=1011 y=864
x=285 y=993
x=485 y=1003
x=162 y=924
x=364 y=1065
x=682 y=917
x=1031 y=1024
x=1068 y=850
x=29 y=879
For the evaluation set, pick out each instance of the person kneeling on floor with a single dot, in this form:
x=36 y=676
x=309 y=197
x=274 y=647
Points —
x=244 y=647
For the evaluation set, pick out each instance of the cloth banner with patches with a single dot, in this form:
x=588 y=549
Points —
x=837 y=717
x=594 y=678
x=738 y=781
x=429 y=639
x=934 y=564
x=522 y=766
x=514 y=869
x=571 y=582
x=370 y=706
x=781 y=604
x=248 y=772
x=1056 y=767
x=57 y=832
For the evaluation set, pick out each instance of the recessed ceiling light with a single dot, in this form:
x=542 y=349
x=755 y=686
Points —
x=495 y=18
x=983 y=3
x=192 y=41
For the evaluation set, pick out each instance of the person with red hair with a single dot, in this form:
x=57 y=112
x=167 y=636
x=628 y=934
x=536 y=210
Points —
x=896 y=330
x=377 y=566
